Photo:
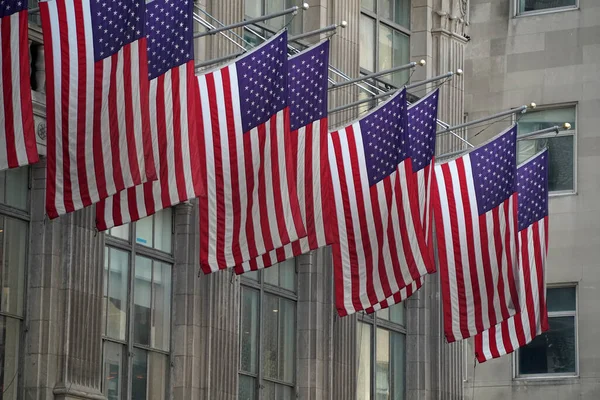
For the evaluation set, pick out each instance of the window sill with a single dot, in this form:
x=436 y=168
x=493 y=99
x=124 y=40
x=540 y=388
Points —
x=562 y=193
x=544 y=12
x=547 y=380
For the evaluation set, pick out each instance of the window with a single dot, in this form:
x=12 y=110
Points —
x=535 y=6
x=555 y=351
x=268 y=333
x=385 y=37
x=14 y=198
x=257 y=8
x=561 y=147
x=381 y=350
x=137 y=309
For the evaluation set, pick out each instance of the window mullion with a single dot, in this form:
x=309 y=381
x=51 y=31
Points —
x=131 y=311
x=259 y=372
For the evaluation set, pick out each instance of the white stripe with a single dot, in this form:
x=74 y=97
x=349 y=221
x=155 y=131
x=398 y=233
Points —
x=301 y=173
x=15 y=27
x=136 y=99
x=503 y=217
x=210 y=172
x=105 y=127
x=462 y=232
x=316 y=179
x=428 y=212
x=514 y=233
x=381 y=249
x=121 y=115
x=73 y=101
x=3 y=149
x=448 y=228
x=152 y=90
x=255 y=210
x=341 y=222
x=57 y=61
x=184 y=101
x=269 y=188
x=391 y=216
x=493 y=263
x=168 y=107
x=282 y=141
x=89 y=101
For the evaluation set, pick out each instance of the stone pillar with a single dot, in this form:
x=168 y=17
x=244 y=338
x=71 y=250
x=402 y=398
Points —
x=228 y=12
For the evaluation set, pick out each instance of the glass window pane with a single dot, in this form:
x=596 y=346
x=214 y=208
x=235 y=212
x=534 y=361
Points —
x=163 y=230
x=560 y=299
x=247 y=388
x=287 y=274
x=13 y=251
x=251 y=275
x=143 y=231
x=553 y=352
x=9 y=357
x=560 y=150
x=382 y=365
x=386 y=47
x=401 y=57
x=539 y=5
x=161 y=306
x=113 y=370
x=139 y=375
x=121 y=232
x=142 y=297
x=116 y=309
x=402 y=13
x=384 y=313
x=368 y=4
x=386 y=9
x=14 y=184
x=287 y=340
x=398 y=354
x=271 y=275
x=158 y=373
x=397 y=313
x=274 y=391
x=536 y=120
x=363 y=345
x=270 y=336
x=249 y=330
x=253 y=8
x=367 y=43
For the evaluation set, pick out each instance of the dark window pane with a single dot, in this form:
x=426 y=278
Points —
x=560 y=150
x=13 y=250
x=9 y=357
x=116 y=303
x=537 y=5
x=139 y=374
x=402 y=13
x=560 y=299
x=142 y=296
x=249 y=340
x=270 y=336
x=247 y=389
x=398 y=365
x=113 y=370
x=161 y=306
x=279 y=341
x=552 y=352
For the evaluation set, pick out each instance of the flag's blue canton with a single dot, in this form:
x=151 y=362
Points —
x=169 y=33
x=308 y=86
x=9 y=7
x=422 y=119
x=383 y=136
x=116 y=23
x=494 y=168
x=532 y=188
x=262 y=80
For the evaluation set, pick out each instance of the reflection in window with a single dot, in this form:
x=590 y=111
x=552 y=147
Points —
x=544 y=5
x=555 y=351
x=561 y=147
x=14 y=187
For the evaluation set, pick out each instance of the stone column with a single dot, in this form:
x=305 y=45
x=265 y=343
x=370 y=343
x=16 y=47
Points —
x=228 y=12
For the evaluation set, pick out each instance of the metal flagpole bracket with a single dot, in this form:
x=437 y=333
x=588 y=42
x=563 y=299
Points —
x=326 y=29
x=519 y=110
x=292 y=10
x=376 y=74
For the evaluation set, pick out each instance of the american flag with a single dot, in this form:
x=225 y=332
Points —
x=422 y=123
x=475 y=207
x=308 y=118
x=173 y=119
x=522 y=328
x=99 y=139
x=17 y=135
x=251 y=205
x=381 y=248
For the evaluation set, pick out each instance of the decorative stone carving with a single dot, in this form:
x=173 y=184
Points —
x=41 y=130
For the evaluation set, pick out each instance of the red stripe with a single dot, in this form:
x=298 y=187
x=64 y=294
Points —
x=391 y=237
x=218 y=161
x=500 y=250
x=486 y=265
x=66 y=105
x=459 y=267
x=177 y=137
x=351 y=236
x=294 y=205
x=362 y=216
x=99 y=132
x=149 y=199
x=195 y=129
x=235 y=174
x=250 y=187
x=25 y=93
x=203 y=201
x=535 y=246
x=443 y=259
x=144 y=108
x=310 y=177
x=329 y=223
x=50 y=115
x=82 y=145
x=511 y=238
x=113 y=116
x=7 y=89
x=130 y=133
x=161 y=127
x=470 y=234
x=383 y=234
x=539 y=261
x=265 y=230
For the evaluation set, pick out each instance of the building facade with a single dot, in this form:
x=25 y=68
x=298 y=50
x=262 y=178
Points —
x=126 y=314
x=547 y=52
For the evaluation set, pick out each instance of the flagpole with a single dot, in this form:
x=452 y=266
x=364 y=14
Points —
x=448 y=74
x=292 y=10
x=518 y=110
x=377 y=74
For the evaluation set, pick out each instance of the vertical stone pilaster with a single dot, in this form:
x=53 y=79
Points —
x=228 y=12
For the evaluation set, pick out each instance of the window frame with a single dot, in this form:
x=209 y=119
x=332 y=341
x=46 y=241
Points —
x=263 y=289
x=133 y=249
x=561 y=133
x=379 y=19
x=517 y=14
x=23 y=215
x=374 y=322
x=555 y=376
